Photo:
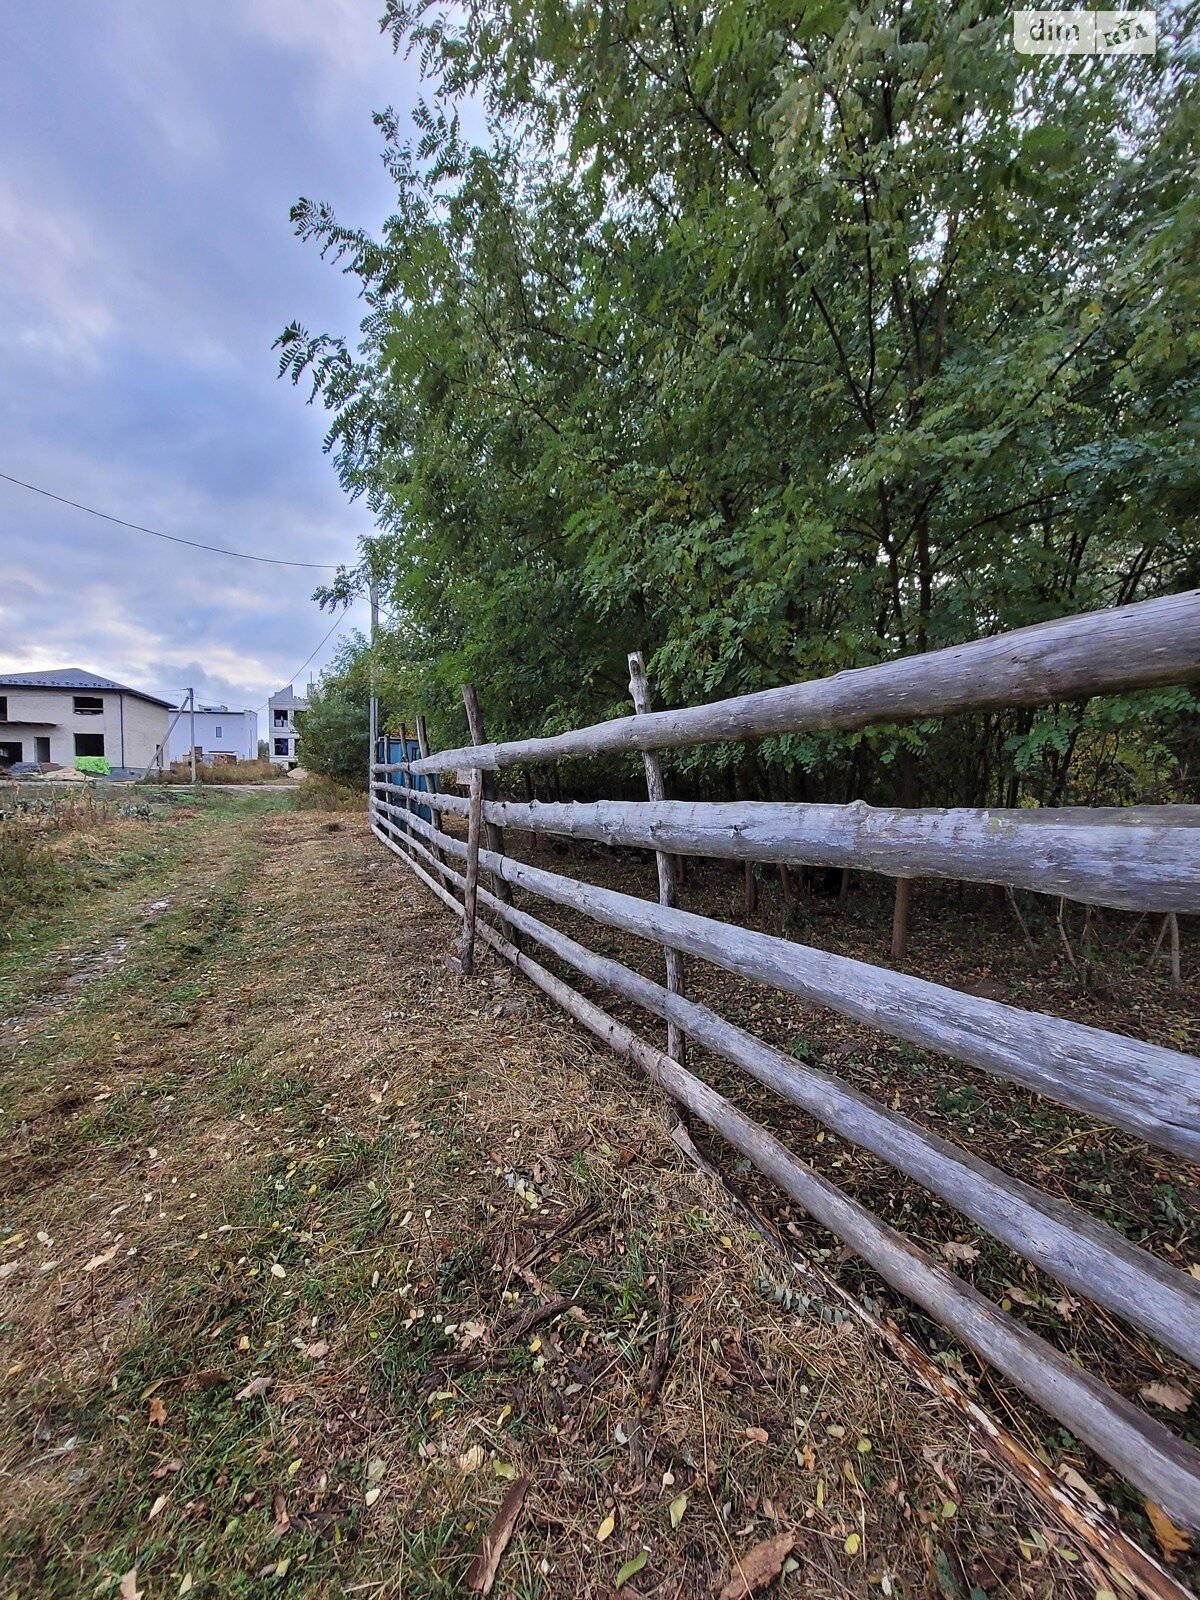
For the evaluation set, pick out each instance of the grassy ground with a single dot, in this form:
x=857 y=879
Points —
x=310 y=1250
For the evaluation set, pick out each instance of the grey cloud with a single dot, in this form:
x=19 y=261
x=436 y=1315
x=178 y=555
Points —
x=150 y=154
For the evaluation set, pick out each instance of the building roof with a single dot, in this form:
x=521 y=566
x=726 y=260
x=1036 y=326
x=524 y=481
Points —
x=74 y=678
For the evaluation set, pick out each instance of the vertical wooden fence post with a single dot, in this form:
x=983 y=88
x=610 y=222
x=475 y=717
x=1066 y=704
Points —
x=668 y=887
x=466 y=955
x=493 y=834
x=404 y=777
x=431 y=780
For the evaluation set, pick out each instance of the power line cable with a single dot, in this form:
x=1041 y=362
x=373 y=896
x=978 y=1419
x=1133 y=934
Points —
x=336 y=623
x=193 y=544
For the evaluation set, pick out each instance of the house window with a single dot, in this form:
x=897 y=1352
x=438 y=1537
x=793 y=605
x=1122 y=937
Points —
x=11 y=751
x=89 y=744
x=281 y=747
x=281 y=719
x=218 y=731
x=88 y=705
x=3 y=708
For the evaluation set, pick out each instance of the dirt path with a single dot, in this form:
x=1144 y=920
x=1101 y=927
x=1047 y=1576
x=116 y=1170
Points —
x=310 y=1251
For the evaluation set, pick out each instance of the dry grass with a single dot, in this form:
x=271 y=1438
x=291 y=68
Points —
x=280 y=1148
x=319 y=793
x=261 y=770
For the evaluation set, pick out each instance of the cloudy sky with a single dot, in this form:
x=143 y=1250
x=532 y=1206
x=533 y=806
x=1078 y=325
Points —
x=149 y=153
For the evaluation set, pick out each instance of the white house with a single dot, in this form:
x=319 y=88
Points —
x=282 y=732
x=221 y=735
x=52 y=717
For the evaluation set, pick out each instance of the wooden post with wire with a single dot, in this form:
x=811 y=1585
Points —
x=668 y=878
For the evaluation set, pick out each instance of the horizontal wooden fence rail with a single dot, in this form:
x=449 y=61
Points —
x=1138 y=646
x=1135 y=858
x=1080 y=1252
x=1139 y=859
x=1163 y=1466
x=1146 y=1089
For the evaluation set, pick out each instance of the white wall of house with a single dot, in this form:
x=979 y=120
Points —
x=219 y=732
x=58 y=724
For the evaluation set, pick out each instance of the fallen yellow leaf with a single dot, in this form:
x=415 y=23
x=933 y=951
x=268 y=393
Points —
x=1172 y=1541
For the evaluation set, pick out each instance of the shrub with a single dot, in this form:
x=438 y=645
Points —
x=319 y=793
x=31 y=875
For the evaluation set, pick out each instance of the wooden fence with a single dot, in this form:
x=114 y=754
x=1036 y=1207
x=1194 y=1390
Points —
x=1144 y=858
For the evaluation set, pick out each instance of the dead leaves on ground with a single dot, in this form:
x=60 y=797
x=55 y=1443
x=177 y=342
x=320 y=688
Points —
x=1172 y=1541
x=759 y=1567
x=1168 y=1395
x=255 y=1388
x=482 y=1572
x=283 y=1522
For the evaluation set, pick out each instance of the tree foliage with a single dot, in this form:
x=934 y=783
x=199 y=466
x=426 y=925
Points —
x=335 y=729
x=773 y=339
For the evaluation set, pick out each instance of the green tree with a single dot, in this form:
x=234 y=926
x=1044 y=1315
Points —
x=772 y=339
x=335 y=730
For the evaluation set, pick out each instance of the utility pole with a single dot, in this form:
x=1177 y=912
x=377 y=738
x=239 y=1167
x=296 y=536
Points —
x=156 y=760
x=192 y=729
x=374 y=594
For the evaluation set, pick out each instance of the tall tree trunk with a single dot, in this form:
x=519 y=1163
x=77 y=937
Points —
x=749 y=879
x=900 y=908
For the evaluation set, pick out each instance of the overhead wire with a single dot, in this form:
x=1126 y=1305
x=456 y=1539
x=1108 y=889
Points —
x=338 y=620
x=194 y=544
x=174 y=538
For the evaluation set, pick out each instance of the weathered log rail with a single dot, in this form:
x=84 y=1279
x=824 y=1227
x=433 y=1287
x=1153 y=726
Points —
x=1146 y=1089
x=1142 y=858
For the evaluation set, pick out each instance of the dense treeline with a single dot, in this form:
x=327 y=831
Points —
x=772 y=339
